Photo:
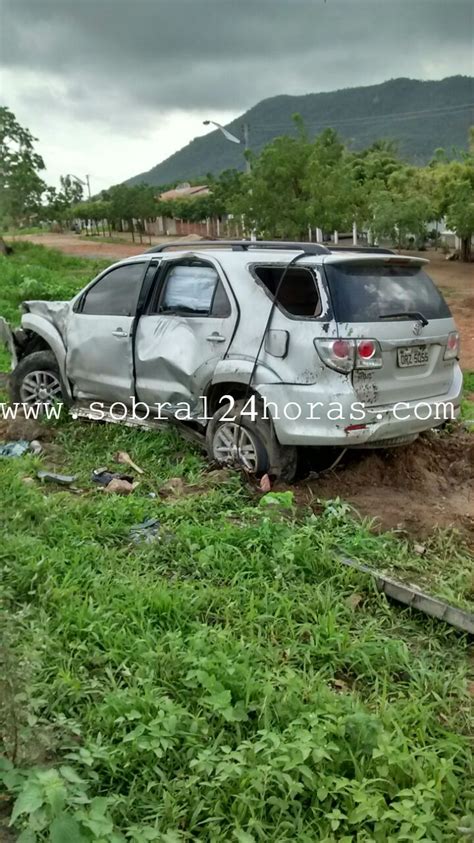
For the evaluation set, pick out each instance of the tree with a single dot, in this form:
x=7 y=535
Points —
x=273 y=198
x=451 y=183
x=71 y=191
x=460 y=209
x=21 y=186
x=402 y=206
x=334 y=193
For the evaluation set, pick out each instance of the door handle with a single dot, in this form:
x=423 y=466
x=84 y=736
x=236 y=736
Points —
x=119 y=333
x=215 y=337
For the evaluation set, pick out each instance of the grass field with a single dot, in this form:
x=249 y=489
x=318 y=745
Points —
x=229 y=680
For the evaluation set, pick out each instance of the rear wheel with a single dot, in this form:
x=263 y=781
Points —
x=235 y=439
x=36 y=380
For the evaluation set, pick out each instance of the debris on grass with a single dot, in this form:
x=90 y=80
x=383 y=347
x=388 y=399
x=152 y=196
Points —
x=265 y=484
x=146 y=532
x=104 y=477
x=120 y=486
x=413 y=597
x=51 y=477
x=125 y=459
x=14 y=449
x=114 y=483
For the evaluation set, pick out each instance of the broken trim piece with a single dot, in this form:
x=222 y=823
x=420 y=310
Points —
x=416 y=599
x=187 y=432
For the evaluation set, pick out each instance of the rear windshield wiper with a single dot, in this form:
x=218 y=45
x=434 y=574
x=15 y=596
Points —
x=406 y=314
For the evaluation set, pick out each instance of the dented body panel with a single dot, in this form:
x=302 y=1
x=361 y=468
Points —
x=174 y=357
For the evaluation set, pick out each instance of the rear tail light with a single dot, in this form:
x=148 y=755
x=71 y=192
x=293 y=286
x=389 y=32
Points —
x=452 y=346
x=345 y=355
x=337 y=354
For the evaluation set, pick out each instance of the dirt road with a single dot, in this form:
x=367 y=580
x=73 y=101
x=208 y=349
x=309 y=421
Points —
x=455 y=279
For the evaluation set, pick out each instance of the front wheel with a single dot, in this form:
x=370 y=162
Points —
x=235 y=439
x=36 y=380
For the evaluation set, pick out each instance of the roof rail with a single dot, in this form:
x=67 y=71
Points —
x=243 y=246
x=369 y=250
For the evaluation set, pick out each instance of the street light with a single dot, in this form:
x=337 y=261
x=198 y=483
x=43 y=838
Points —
x=85 y=183
x=233 y=138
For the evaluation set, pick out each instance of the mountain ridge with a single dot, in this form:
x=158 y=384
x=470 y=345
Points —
x=419 y=115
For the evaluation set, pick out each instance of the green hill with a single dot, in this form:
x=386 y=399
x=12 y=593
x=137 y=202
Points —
x=420 y=116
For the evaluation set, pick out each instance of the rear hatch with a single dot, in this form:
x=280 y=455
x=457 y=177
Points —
x=394 y=301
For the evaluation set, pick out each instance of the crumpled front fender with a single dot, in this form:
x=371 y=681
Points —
x=7 y=339
x=51 y=335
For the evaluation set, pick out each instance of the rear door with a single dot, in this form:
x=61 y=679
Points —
x=186 y=331
x=395 y=302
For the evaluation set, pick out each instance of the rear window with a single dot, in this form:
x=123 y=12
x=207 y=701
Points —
x=367 y=292
x=298 y=295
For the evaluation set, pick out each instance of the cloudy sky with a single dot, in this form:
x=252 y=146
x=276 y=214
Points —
x=112 y=87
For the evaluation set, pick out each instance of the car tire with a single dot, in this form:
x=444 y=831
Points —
x=252 y=444
x=37 y=380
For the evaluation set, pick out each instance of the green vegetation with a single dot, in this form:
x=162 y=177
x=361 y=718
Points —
x=467 y=404
x=296 y=184
x=230 y=679
x=21 y=187
x=34 y=272
x=419 y=116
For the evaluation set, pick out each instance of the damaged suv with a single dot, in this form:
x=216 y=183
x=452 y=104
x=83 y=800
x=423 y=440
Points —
x=256 y=348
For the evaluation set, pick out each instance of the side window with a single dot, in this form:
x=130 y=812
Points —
x=298 y=294
x=116 y=294
x=193 y=289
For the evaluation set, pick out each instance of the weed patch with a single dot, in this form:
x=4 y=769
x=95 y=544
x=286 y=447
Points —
x=229 y=679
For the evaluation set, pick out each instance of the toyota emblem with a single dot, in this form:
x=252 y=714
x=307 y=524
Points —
x=417 y=328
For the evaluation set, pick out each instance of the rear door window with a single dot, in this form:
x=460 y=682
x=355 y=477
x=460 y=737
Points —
x=298 y=294
x=368 y=292
x=193 y=289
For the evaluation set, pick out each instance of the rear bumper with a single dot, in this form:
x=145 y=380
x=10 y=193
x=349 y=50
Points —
x=344 y=421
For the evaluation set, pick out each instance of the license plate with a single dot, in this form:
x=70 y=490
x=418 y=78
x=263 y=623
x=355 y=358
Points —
x=415 y=355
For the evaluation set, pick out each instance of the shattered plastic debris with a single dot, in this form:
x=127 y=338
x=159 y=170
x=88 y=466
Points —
x=123 y=457
x=20 y=447
x=146 y=532
x=265 y=484
x=62 y=479
x=104 y=477
x=14 y=449
x=119 y=486
x=114 y=483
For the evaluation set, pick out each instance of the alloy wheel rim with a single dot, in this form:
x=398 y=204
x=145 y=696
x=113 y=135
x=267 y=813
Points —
x=40 y=387
x=235 y=444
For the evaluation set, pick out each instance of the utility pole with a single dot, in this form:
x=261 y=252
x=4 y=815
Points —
x=245 y=130
x=88 y=182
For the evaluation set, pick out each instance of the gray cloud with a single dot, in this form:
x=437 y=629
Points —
x=145 y=56
x=111 y=87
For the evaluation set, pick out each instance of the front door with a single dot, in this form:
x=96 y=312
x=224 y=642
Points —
x=99 y=336
x=186 y=331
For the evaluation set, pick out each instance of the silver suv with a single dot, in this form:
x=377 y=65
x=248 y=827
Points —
x=255 y=348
